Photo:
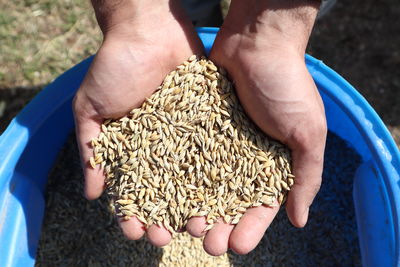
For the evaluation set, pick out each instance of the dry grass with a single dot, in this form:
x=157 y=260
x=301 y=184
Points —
x=225 y=6
x=41 y=39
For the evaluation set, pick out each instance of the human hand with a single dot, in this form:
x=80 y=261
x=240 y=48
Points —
x=137 y=53
x=262 y=46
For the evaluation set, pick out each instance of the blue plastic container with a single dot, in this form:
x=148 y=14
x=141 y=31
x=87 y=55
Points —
x=29 y=146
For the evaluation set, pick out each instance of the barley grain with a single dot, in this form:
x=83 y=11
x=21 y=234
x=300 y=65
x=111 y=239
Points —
x=190 y=150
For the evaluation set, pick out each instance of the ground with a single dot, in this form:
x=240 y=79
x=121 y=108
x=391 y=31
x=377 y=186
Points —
x=41 y=39
x=360 y=40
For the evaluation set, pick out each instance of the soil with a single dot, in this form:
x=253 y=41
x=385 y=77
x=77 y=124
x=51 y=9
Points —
x=359 y=39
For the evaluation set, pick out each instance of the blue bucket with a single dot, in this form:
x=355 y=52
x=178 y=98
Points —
x=29 y=147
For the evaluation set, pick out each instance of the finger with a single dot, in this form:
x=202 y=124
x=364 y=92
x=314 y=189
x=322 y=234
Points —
x=133 y=229
x=87 y=128
x=196 y=226
x=251 y=228
x=158 y=236
x=216 y=240
x=307 y=169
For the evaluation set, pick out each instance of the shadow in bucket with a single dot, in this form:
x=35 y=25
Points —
x=330 y=237
x=78 y=232
x=30 y=177
x=81 y=232
x=334 y=224
x=29 y=147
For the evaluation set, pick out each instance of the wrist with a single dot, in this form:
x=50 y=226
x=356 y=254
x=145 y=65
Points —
x=135 y=18
x=274 y=24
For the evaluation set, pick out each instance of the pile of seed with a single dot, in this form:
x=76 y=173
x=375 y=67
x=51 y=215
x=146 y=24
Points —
x=190 y=150
x=77 y=232
x=185 y=250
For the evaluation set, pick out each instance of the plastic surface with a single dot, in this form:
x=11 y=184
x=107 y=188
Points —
x=30 y=144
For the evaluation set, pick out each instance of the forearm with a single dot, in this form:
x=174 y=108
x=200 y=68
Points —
x=128 y=15
x=267 y=23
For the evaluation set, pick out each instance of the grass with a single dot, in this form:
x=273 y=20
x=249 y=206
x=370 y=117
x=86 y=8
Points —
x=41 y=39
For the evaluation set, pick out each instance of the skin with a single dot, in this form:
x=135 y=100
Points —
x=128 y=67
x=261 y=45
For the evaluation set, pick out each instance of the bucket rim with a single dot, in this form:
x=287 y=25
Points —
x=377 y=137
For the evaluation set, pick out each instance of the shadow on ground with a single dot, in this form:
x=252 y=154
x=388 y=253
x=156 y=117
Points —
x=360 y=40
x=13 y=100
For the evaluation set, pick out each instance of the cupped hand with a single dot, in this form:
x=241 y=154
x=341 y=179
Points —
x=279 y=95
x=130 y=64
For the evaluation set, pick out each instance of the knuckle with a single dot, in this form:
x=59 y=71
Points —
x=314 y=188
x=76 y=102
x=301 y=139
x=321 y=128
x=314 y=185
x=310 y=135
x=311 y=191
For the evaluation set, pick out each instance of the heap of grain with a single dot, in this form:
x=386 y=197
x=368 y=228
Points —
x=190 y=150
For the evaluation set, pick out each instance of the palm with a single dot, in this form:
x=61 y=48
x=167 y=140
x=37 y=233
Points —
x=113 y=86
x=277 y=93
x=122 y=75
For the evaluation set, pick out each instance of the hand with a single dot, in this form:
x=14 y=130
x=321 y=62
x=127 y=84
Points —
x=264 y=55
x=136 y=55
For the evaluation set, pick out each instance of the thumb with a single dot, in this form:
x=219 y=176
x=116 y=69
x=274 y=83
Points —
x=307 y=168
x=88 y=127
